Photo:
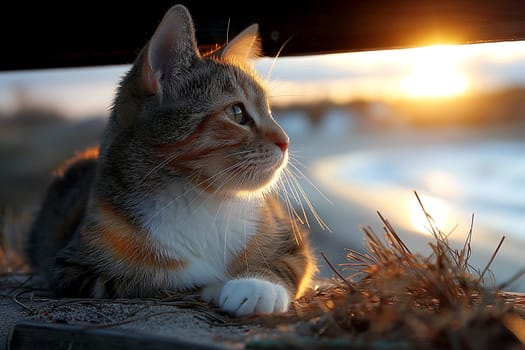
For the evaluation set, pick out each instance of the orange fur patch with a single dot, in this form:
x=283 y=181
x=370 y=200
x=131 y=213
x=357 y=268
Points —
x=88 y=153
x=189 y=156
x=219 y=135
x=127 y=242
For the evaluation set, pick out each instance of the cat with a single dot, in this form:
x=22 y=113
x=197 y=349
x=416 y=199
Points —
x=181 y=193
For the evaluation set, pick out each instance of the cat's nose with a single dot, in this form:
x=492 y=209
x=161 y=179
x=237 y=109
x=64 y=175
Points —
x=282 y=145
x=279 y=138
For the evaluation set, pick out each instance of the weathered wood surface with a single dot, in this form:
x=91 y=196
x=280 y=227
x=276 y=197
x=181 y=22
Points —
x=33 y=335
x=30 y=318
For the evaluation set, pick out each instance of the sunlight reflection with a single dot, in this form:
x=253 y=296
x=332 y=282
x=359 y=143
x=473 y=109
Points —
x=442 y=183
x=436 y=208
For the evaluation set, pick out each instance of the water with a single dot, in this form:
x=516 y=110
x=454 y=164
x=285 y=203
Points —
x=486 y=178
x=457 y=172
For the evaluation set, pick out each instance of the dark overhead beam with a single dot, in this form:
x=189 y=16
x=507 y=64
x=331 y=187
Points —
x=50 y=35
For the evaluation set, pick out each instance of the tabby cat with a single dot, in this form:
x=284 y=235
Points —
x=181 y=193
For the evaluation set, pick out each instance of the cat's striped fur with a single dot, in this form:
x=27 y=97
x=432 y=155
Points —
x=182 y=193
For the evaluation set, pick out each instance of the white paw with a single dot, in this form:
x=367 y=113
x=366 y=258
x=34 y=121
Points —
x=249 y=296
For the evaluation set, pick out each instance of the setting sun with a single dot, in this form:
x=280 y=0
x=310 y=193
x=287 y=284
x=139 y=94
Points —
x=440 y=82
x=434 y=73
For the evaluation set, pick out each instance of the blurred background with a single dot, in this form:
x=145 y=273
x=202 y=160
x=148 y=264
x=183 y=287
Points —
x=367 y=129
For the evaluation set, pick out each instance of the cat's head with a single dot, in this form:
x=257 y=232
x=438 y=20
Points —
x=200 y=117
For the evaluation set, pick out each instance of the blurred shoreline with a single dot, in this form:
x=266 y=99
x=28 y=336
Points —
x=350 y=211
x=35 y=142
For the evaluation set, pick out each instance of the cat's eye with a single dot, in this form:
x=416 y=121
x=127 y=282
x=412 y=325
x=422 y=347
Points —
x=238 y=114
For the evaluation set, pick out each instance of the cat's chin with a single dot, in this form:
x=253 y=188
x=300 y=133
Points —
x=261 y=181
x=256 y=193
x=258 y=190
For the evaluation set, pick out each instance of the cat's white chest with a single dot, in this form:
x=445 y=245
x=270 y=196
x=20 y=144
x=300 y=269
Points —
x=203 y=232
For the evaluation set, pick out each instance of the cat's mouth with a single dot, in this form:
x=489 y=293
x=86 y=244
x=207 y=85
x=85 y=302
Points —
x=252 y=180
x=265 y=179
x=247 y=176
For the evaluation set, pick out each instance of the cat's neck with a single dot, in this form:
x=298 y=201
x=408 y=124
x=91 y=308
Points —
x=184 y=221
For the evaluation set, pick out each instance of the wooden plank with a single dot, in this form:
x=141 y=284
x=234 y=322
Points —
x=29 y=335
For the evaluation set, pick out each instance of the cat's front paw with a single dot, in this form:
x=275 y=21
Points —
x=247 y=296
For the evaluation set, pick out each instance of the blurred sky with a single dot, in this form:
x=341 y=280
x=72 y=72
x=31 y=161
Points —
x=441 y=70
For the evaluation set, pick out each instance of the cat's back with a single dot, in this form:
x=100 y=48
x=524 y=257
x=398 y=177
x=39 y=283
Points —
x=62 y=209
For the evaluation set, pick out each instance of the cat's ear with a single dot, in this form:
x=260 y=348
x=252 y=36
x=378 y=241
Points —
x=245 y=45
x=172 y=46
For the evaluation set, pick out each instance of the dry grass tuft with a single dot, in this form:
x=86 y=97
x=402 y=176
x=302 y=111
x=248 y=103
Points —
x=393 y=298
x=437 y=301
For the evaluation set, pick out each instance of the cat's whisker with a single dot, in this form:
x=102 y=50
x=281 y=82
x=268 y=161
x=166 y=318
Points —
x=287 y=175
x=226 y=231
x=303 y=175
x=172 y=157
x=230 y=155
x=296 y=230
x=228 y=31
x=216 y=177
x=291 y=214
x=270 y=70
x=310 y=205
x=284 y=195
x=195 y=174
x=239 y=153
x=296 y=157
x=210 y=182
x=233 y=172
x=303 y=193
x=158 y=166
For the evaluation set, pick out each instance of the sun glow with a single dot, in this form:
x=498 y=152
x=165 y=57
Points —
x=389 y=75
x=434 y=73
x=437 y=83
